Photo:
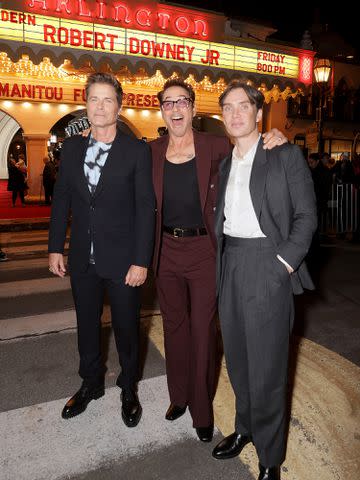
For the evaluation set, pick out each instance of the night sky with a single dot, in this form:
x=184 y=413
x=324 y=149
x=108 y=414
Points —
x=290 y=18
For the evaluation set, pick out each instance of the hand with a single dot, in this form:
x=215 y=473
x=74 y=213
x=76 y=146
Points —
x=56 y=264
x=86 y=133
x=288 y=267
x=273 y=138
x=136 y=276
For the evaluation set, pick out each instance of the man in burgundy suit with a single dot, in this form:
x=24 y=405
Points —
x=185 y=176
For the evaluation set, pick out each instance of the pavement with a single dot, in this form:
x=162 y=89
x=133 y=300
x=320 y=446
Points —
x=39 y=357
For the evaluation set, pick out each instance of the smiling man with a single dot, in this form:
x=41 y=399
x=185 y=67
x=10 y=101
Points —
x=265 y=220
x=105 y=182
x=185 y=175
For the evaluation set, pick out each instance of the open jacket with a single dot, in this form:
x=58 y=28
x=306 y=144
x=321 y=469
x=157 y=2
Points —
x=210 y=150
x=119 y=216
x=282 y=193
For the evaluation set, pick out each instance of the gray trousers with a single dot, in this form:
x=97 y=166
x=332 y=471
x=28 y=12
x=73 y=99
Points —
x=255 y=308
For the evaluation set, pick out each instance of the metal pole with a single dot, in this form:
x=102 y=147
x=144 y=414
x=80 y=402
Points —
x=320 y=121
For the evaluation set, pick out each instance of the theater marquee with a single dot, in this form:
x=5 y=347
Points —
x=56 y=31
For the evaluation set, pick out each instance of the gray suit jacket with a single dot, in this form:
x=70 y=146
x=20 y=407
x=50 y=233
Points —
x=283 y=196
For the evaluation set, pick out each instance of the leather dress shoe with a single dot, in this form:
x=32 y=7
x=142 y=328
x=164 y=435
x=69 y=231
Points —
x=174 y=412
x=230 y=446
x=131 y=409
x=269 y=473
x=78 y=402
x=205 y=434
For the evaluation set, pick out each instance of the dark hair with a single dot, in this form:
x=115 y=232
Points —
x=255 y=96
x=314 y=156
x=176 y=82
x=98 y=77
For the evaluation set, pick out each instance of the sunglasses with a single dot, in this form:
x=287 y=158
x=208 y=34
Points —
x=181 y=103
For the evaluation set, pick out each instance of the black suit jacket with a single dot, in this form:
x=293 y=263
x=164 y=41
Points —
x=283 y=197
x=119 y=216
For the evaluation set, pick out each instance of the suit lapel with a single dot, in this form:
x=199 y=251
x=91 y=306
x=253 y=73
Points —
x=80 y=174
x=223 y=179
x=258 y=176
x=159 y=157
x=203 y=165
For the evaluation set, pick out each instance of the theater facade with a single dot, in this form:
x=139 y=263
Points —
x=48 y=47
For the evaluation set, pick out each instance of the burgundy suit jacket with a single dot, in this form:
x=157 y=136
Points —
x=210 y=150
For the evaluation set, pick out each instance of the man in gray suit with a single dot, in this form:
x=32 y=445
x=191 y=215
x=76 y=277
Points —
x=265 y=219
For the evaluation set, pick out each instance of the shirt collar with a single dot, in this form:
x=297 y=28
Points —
x=249 y=155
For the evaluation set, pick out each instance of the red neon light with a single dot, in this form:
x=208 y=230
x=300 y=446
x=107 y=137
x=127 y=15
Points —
x=151 y=16
x=306 y=69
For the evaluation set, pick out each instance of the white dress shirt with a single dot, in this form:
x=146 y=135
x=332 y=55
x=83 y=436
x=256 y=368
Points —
x=240 y=217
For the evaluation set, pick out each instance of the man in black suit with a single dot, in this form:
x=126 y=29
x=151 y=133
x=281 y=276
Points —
x=105 y=180
x=265 y=219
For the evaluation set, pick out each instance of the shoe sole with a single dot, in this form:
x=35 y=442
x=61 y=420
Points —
x=233 y=455
x=172 y=419
x=96 y=396
x=132 y=424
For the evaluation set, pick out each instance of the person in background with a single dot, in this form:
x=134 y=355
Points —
x=105 y=180
x=185 y=177
x=264 y=222
x=49 y=176
x=16 y=182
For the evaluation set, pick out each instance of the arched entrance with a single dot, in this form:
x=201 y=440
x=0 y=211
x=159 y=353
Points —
x=8 y=129
x=209 y=124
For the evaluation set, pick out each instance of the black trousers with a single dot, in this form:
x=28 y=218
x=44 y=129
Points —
x=49 y=190
x=88 y=291
x=255 y=307
x=21 y=195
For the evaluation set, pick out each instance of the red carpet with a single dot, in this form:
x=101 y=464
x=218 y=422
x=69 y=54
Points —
x=29 y=211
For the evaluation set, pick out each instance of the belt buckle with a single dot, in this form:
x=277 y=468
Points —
x=178 y=232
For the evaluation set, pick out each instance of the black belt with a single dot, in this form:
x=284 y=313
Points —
x=185 y=232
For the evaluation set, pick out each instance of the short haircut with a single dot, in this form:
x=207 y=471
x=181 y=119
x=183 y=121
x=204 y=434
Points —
x=176 y=82
x=314 y=156
x=255 y=96
x=108 y=79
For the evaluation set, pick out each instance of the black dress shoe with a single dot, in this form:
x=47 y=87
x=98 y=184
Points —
x=174 y=412
x=78 y=402
x=269 y=473
x=230 y=446
x=205 y=434
x=131 y=409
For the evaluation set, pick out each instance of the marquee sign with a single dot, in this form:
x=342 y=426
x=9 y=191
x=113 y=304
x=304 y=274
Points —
x=145 y=15
x=58 y=32
x=47 y=92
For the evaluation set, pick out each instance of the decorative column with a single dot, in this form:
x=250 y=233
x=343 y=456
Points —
x=36 y=150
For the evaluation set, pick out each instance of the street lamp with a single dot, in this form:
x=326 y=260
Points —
x=322 y=71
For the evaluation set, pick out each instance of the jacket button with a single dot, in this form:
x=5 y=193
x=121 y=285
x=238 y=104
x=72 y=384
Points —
x=212 y=185
x=214 y=208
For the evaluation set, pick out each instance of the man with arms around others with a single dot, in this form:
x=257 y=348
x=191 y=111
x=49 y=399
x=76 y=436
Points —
x=265 y=220
x=105 y=181
x=185 y=176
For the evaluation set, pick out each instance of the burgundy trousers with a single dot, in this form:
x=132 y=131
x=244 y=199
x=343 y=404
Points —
x=186 y=292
